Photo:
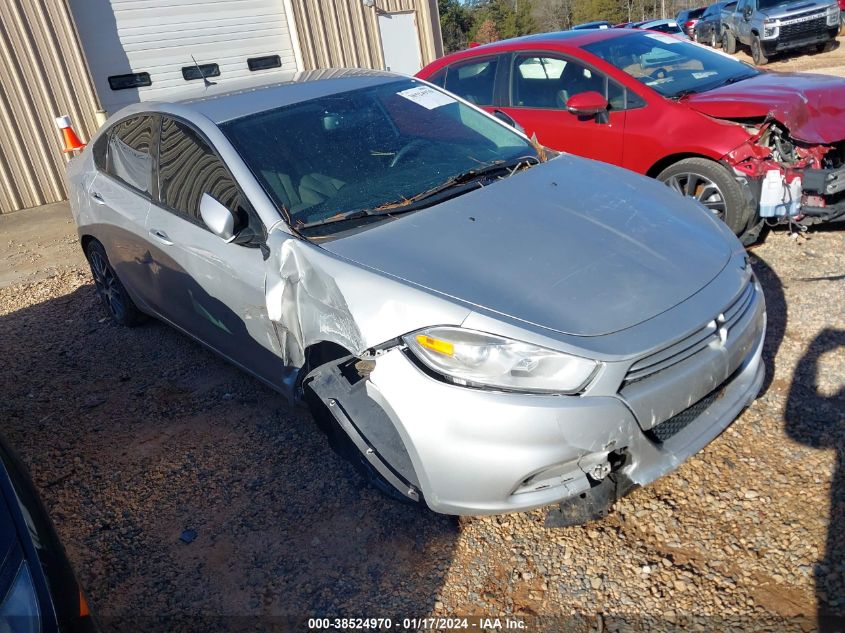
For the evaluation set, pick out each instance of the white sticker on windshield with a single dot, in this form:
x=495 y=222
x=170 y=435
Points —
x=705 y=73
x=428 y=98
x=666 y=39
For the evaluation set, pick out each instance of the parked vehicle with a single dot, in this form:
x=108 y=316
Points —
x=476 y=327
x=687 y=20
x=699 y=121
x=661 y=26
x=769 y=27
x=708 y=29
x=586 y=26
x=38 y=590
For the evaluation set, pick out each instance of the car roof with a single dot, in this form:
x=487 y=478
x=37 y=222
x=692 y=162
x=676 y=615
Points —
x=569 y=38
x=223 y=101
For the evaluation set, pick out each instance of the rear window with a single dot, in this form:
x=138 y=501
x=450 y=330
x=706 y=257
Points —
x=129 y=159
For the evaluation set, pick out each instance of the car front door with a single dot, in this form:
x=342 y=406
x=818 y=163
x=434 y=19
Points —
x=119 y=197
x=541 y=84
x=211 y=289
x=743 y=24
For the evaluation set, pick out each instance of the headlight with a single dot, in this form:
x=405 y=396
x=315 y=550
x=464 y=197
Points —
x=477 y=359
x=833 y=16
x=20 y=606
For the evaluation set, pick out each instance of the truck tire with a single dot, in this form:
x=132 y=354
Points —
x=828 y=46
x=712 y=185
x=729 y=42
x=757 y=53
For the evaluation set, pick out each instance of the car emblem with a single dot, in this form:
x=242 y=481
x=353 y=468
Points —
x=723 y=329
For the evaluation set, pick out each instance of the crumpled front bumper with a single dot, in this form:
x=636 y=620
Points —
x=482 y=452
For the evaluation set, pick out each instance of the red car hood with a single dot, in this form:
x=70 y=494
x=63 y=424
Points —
x=812 y=107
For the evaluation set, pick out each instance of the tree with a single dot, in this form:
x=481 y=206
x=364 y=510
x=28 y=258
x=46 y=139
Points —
x=455 y=24
x=487 y=32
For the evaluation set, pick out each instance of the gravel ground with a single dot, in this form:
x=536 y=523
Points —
x=134 y=435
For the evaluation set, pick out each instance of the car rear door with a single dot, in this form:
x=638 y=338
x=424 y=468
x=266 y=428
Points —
x=119 y=199
x=541 y=83
x=211 y=289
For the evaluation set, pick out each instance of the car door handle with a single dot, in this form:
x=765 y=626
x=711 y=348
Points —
x=96 y=197
x=161 y=236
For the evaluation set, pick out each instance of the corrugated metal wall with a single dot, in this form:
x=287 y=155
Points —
x=42 y=75
x=344 y=33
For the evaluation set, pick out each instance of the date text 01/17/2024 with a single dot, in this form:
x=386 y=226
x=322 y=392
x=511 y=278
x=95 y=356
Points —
x=416 y=624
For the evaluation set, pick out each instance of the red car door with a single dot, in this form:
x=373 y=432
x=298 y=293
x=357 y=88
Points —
x=540 y=86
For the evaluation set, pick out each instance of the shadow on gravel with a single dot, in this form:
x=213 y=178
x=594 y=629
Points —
x=136 y=435
x=818 y=421
x=776 y=316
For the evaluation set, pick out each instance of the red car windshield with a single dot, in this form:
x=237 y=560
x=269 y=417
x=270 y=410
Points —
x=671 y=66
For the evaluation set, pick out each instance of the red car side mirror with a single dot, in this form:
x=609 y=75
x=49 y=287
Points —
x=588 y=103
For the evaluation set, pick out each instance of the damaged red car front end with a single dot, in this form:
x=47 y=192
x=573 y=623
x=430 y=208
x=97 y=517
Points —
x=796 y=137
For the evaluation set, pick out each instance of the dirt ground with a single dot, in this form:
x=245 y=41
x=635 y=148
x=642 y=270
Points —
x=135 y=435
x=832 y=63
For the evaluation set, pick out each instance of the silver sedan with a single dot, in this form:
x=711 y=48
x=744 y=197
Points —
x=478 y=325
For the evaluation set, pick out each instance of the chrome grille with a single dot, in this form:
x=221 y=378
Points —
x=695 y=342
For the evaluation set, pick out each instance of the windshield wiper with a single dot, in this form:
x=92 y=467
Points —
x=460 y=183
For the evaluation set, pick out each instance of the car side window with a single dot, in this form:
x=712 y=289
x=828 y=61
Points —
x=473 y=80
x=188 y=168
x=549 y=82
x=129 y=156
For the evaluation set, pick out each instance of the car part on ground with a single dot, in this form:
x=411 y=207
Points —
x=709 y=107
x=356 y=261
x=771 y=27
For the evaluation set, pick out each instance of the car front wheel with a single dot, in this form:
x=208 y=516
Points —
x=713 y=186
x=119 y=304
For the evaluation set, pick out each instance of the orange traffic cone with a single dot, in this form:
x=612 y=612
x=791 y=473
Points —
x=71 y=140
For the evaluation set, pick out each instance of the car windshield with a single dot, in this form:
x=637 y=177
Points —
x=671 y=66
x=369 y=149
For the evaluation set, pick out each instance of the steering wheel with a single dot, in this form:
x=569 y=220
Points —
x=657 y=73
x=406 y=149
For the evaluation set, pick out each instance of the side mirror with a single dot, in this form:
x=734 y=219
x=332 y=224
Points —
x=504 y=117
x=588 y=103
x=746 y=13
x=218 y=218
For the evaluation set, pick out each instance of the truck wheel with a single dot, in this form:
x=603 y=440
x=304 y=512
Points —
x=828 y=46
x=757 y=54
x=729 y=42
x=713 y=186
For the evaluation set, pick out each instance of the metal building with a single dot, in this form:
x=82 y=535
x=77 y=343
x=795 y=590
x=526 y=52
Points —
x=87 y=58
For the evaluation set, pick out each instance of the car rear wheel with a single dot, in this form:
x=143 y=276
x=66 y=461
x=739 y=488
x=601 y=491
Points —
x=729 y=42
x=757 y=53
x=119 y=304
x=713 y=186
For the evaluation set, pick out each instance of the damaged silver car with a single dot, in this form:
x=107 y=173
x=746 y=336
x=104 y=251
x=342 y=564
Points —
x=480 y=327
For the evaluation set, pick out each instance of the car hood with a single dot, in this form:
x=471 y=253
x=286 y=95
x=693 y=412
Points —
x=812 y=107
x=573 y=245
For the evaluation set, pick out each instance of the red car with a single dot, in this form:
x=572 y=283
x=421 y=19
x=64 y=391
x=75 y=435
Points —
x=747 y=144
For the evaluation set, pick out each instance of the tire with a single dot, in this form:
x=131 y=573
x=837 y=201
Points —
x=712 y=185
x=343 y=445
x=117 y=301
x=828 y=46
x=729 y=42
x=714 y=41
x=757 y=53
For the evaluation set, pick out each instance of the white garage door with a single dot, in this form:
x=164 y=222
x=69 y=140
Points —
x=140 y=50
